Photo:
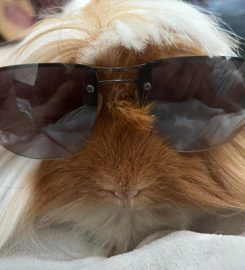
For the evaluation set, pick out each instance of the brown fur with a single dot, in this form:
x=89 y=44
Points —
x=123 y=154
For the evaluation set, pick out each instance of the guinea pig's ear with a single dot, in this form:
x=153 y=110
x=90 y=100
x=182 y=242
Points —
x=15 y=193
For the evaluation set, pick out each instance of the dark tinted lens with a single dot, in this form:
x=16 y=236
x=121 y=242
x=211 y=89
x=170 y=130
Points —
x=46 y=111
x=199 y=102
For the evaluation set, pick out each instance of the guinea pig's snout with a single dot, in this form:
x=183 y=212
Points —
x=126 y=199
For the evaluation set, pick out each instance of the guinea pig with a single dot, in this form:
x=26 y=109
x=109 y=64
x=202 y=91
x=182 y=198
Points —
x=126 y=182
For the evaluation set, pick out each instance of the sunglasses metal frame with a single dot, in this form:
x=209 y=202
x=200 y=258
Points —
x=122 y=69
x=139 y=81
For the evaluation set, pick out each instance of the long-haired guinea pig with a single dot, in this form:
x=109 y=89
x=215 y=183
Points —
x=127 y=180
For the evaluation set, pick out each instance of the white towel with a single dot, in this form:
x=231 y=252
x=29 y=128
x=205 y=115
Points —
x=183 y=250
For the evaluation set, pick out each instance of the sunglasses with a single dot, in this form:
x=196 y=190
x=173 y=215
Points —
x=47 y=111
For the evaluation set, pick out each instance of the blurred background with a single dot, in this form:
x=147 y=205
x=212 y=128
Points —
x=16 y=16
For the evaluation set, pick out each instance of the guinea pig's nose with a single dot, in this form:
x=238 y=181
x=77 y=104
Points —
x=126 y=199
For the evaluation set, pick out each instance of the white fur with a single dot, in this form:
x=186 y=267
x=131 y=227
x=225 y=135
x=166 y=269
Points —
x=115 y=230
x=15 y=191
x=75 y=5
x=129 y=23
x=157 y=21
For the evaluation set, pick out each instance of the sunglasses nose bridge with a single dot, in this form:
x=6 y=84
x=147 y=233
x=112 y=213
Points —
x=118 y=81
x=111 y=81
x=106 y=76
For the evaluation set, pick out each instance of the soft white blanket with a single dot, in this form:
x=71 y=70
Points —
x=180 y=250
